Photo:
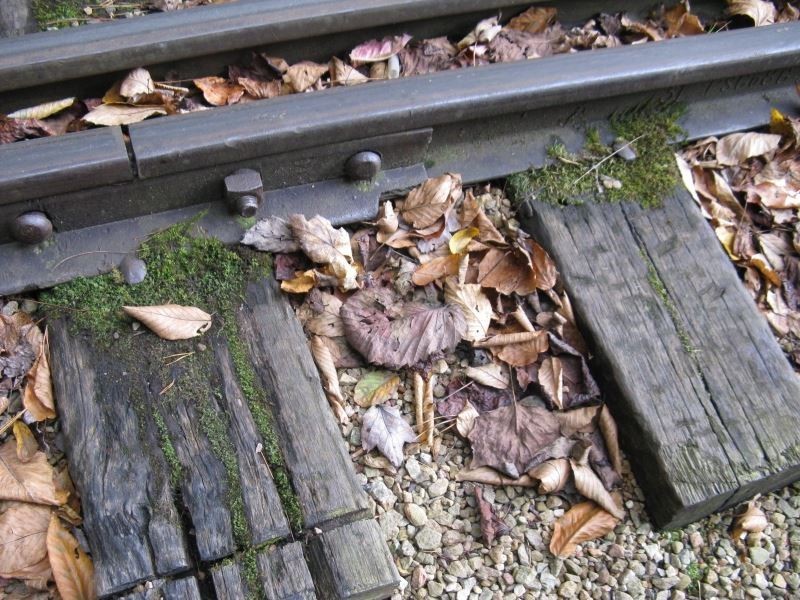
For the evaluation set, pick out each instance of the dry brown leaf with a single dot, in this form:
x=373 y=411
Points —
x=761 y=12
x=344 y=74
x=72 y=567
x=26 y=443
x=534 y=20
x=218 y=91
x=491 y=477
x=588 y=483
x=428 y=429
x=551 y=380
x=393 y=333
x=428 y=202
x=171 y=321
x=435 y=269
x=330 y=380
x=752 y=520
x=680 y=21
x=474 y=304
x=465 y=420
x=484 y=32
x=491 y=524
x=513 y=271
x=32 y=481
x=491 y=375
x=375 y=388
x=121 y=114
x=581 y=523
x=272 y=234
x=384 y=428
x=736 y=148
x=23 y=541
x=510 y=438
x=375 y=51
x=42 y=111
x=387 y=219
x=38 y=396
x=319 y=314
x=137 y=83
x=324 y=244
x=303 y=75
x=579 y=420
x=552 y=475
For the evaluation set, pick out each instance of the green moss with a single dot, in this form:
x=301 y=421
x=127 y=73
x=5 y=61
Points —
x=572 y=178
x=655 y=281
x=58 y=13
x=246 y=222
x=175 y=467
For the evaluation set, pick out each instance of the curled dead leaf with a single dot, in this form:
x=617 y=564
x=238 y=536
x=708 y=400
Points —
x=491 y=525
x=428 y=202
x=218 y=91
x=38 y=395
x=491 y=375
x=26 y=443
x=324 y=244
x=330 y=380
x=474 y=304
x=42 y=111
x=735 y=148
x=302 y=283
x=303 y=75
x=581 y=523
x=344 y=74
x=761 y=12
x=588 y=483
x=551 y=381
x=387 y=219
x=534 y=20
x=608 y=427
x=752 y=520
x=435 y=269
x=375 y=51
x=465 y=420
x=121 y=114
x=72 y=567
x=552 y=475
x=491 y=477
x=171 y=321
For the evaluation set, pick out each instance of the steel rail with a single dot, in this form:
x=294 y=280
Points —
x=484 y=122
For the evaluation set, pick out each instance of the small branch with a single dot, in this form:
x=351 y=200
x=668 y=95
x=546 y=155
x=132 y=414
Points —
x=609 y=157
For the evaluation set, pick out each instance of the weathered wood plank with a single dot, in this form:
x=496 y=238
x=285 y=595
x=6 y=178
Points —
x=185 y=588
x=262 y=503
x=682 y=426
x=352 y=562
x=285 y=574
x=322 y=473
x=228 y=582
x=130 y=520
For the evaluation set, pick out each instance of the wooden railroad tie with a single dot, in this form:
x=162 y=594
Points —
x=138 y=532
x=706 y=401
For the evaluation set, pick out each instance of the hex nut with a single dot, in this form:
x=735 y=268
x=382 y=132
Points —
x=31 y=228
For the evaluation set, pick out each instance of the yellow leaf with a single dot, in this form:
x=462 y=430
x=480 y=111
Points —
x=375 y=387
x=461 y=239
x=121 y=114
x=26 y=443
x=42 y=111
x=171 y=321
x=72 y=568
x=301 y=284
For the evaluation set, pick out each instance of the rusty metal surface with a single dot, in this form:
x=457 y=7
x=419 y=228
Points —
x=98 y=249
x=290 y=123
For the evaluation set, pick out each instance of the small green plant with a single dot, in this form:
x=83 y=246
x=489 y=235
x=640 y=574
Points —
x=598 y=172
x=57 y=13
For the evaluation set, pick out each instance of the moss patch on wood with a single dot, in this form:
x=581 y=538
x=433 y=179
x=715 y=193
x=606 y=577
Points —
x=597 y=173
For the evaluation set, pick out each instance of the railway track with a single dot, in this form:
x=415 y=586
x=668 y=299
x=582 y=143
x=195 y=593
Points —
x=695 y=446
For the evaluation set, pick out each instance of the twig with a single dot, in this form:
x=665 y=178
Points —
x=61 y=262
x=167 y=388
x=178 y=357
x=610 y=156
x=11 y=421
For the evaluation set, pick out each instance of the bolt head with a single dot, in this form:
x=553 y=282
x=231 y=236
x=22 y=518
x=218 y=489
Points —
x=31 y=228
x=363 y=166
x=247 y=206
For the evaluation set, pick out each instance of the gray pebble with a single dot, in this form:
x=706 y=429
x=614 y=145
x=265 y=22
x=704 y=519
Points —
x=624 y=150
x=133 y=270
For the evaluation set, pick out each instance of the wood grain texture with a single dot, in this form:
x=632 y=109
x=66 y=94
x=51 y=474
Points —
x=228 y=582
x=699 y=388
x=262 y=504
x=130 y=519
x=185 y=588
x=322 y=473
x=285 y=574
x=352 y=562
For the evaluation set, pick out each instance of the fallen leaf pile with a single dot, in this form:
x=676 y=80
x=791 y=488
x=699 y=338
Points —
x=532 y=34
x=36 y=494
x=446 y=272
x=748 y=187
